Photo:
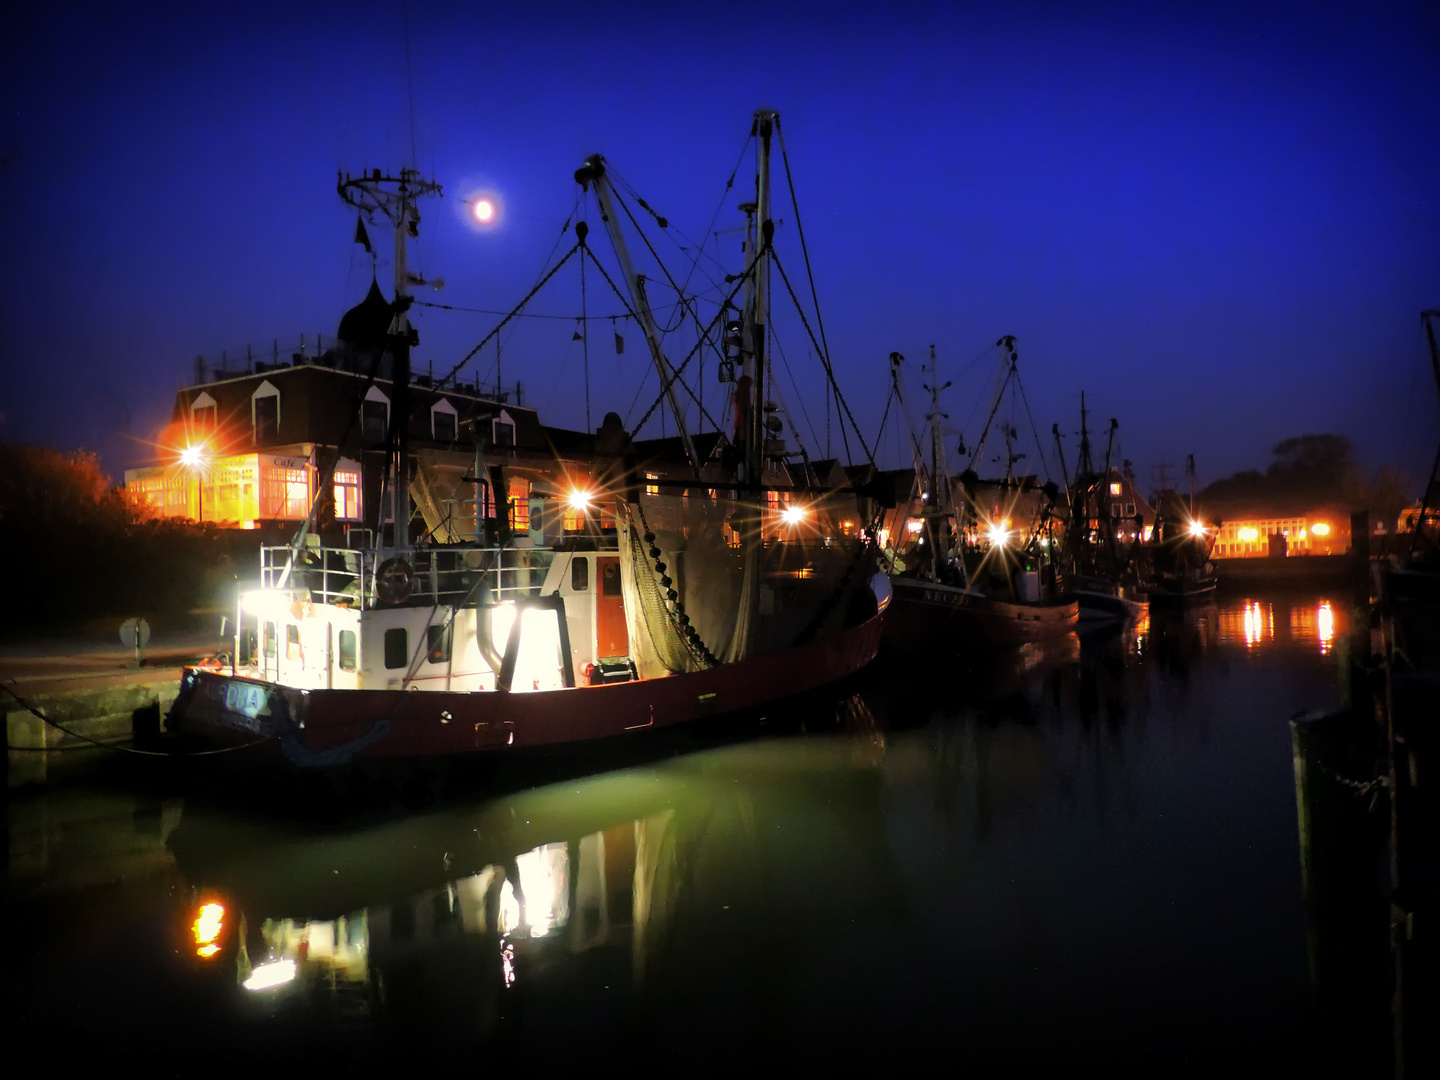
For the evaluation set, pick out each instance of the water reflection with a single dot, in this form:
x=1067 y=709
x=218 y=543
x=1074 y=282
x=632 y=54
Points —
x=1254 y=623
x=1100 y=833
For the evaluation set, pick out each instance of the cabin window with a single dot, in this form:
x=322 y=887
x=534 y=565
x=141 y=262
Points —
x=437 y=644
x=347 y=650
x=270 y=640
x=579 y=574
x=397 y=648
x=292 y=642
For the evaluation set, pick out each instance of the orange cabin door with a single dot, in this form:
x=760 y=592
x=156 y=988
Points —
x=611 y=637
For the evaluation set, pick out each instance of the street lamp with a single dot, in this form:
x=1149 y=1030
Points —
x=195 y=458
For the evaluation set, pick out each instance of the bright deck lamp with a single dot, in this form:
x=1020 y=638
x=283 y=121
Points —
x=793 y=515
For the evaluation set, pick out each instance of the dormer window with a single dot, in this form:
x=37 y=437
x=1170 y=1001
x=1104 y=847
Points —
x=502 y=430
x=265 y=413
x=443 y=422
x=374 y=417
x=1115 y=489
x=202 y=414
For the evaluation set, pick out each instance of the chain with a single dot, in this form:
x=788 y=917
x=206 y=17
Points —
x=676 y=607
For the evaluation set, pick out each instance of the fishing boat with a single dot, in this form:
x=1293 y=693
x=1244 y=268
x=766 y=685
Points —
x=970 y=577
x=629 y=603
x=1178 y=553
x=1101 y=549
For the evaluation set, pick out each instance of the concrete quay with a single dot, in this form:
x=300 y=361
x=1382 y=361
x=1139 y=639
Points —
x=91 y=688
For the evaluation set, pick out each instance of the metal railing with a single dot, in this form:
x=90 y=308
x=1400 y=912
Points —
x=347 y=576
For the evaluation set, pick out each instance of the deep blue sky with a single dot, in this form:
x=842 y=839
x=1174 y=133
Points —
x=1220 y=220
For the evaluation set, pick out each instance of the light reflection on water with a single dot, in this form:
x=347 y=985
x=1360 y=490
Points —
x=1079 y=852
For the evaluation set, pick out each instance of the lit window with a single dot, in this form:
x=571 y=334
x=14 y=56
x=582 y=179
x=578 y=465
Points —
x=652 y=489
x=1115 y=489
x=519 y=505
x=347 y=496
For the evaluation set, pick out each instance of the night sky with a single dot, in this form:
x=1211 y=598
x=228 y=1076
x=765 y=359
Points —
x=1221 y=220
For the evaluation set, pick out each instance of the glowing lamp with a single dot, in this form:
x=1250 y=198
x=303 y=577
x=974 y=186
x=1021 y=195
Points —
x=998 y=536
x=1320 y=529
x=193 y=456
x=268 y=976
x=209 y=922
x=793 y=515
x=579 y=499
x=1197 y=528
x=915 y=526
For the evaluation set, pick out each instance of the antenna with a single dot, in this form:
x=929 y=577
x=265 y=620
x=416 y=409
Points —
x=395 y=198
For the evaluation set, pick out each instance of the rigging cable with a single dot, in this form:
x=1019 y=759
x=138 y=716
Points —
x=825 y=360
x=501 y=324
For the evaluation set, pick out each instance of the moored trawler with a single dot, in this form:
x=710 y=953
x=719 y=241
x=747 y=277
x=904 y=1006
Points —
x=632 y=602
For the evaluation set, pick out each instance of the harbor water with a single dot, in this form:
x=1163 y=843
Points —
x=1082 y=854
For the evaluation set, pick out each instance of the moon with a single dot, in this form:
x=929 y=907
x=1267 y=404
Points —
x=484 y=211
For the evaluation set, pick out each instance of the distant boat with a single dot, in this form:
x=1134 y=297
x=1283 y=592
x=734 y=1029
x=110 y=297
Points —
x=971 y=578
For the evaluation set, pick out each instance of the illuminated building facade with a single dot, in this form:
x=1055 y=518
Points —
x=1249 y=532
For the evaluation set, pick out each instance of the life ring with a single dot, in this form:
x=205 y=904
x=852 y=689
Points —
x=392 y=581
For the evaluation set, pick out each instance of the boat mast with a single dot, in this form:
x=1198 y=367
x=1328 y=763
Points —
x=396 y=198
x=757 y=311
x=593 y=171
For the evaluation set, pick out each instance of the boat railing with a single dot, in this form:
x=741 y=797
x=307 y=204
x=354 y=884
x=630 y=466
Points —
x=347 y=576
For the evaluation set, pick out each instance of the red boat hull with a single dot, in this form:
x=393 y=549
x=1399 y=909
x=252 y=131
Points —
x=320 y=729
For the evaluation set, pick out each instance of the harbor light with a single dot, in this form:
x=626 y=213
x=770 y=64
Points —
x=209 y=922
x=269 y=976
x=793 y=515
x=194 y=457
x=1320 y=529
x=1197 y=528
x=998 y=536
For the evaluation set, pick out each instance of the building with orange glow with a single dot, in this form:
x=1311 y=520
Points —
x=1248 y=531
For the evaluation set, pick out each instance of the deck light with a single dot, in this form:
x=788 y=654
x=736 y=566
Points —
x=793 y=515
x=915 y=526
x=998 y=536
x=269 y=976
x=579 y=499
x=1197 y=528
